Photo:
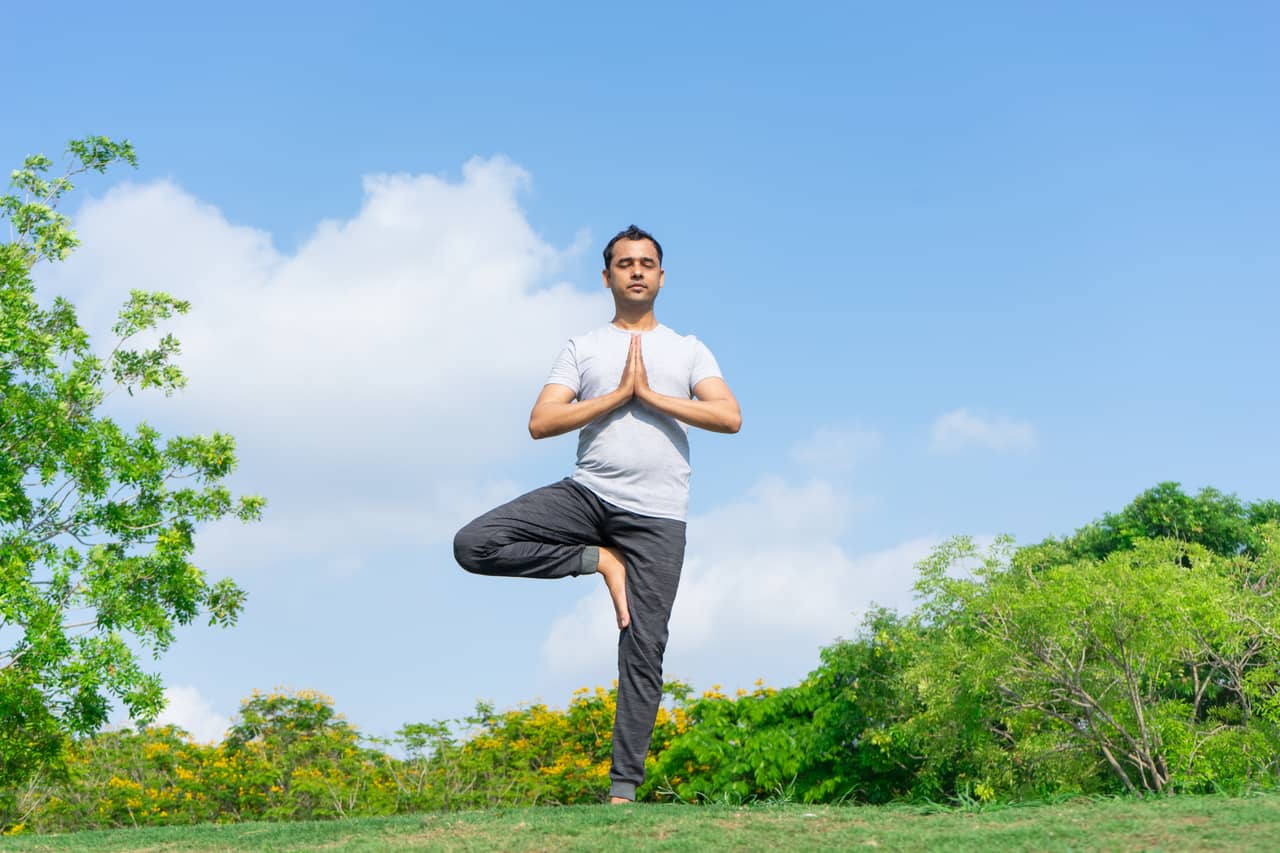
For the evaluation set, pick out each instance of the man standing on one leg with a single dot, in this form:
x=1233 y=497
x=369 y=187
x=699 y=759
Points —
x=633 y=388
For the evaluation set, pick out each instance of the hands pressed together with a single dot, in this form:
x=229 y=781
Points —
x=635 y=381
x=714 y=407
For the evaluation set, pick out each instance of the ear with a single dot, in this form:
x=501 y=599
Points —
x=662 y=277
x=604 y=274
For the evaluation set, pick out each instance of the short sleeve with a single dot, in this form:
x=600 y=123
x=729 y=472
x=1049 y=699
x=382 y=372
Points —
x=704 y=365
x=565 y=370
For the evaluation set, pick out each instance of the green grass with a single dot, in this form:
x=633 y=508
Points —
x=1180 y=823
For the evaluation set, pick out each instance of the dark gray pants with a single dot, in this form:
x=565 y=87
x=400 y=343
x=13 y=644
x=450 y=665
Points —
x=555 y=532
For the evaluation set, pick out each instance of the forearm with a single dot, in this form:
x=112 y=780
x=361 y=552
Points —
x=714 y=415
x=551 y=419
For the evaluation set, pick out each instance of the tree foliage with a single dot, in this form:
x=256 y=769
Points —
x=97 y=521
x=836 y=735
x=1140 y=654
x=1143 y=652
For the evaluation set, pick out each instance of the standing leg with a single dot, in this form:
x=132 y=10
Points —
x=552 y=532
x=653 y=549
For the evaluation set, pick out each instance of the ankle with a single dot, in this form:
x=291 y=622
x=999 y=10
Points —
x=610 y=558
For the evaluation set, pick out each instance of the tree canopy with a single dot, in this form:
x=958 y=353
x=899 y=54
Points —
x=1139 y=654
x=97 y=521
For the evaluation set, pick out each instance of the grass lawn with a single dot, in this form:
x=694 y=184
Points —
x=1181 y=823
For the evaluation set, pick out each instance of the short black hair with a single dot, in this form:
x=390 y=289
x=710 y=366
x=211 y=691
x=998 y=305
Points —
x=631 y=233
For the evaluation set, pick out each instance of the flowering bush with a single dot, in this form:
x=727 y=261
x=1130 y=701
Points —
x=290 y=756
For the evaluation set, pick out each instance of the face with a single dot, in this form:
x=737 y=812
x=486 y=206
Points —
x=634 y=275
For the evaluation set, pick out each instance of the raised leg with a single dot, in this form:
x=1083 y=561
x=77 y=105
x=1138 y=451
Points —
x=551 y=532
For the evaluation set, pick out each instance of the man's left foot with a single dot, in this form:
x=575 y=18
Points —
x=619 y=801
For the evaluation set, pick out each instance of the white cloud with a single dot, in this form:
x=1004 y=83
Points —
x=960 y=428
x=766 y=582
x=365 y=376
x=836 y=449
x=343 y=539
x=187 y=709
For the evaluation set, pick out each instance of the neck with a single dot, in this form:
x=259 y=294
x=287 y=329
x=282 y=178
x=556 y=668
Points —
x=635 y=318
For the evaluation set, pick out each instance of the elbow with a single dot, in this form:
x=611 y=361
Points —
x=540 y=428
x=734 y=423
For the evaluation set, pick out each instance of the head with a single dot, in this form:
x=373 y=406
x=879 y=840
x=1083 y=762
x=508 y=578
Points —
x=633 y=266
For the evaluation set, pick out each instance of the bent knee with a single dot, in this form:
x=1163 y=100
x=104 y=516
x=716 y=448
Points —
x=470 y=548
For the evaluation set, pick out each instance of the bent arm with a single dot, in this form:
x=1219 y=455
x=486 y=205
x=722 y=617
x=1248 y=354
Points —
x=555 y=412
x=715 y=408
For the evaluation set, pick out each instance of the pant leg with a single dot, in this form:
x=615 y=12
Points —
x=653 y=549
x=541 y=534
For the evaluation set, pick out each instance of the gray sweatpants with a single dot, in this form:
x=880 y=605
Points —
x=555 y=532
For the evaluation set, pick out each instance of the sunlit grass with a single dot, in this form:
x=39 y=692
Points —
x=1172 y=823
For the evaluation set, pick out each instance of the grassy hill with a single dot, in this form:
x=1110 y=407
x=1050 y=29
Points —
x=1180 y=823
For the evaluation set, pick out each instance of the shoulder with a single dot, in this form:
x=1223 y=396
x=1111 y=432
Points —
x=671 y=335
x=590 y=340
x=690 y=344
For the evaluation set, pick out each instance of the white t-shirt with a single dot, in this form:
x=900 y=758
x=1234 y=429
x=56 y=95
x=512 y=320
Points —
x=633 y=457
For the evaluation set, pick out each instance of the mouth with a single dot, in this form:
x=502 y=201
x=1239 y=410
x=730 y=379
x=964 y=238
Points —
x=637 y=287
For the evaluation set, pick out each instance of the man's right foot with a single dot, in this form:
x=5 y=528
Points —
x=614 y=572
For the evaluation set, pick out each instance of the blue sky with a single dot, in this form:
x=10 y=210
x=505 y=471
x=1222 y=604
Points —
x=972 y=268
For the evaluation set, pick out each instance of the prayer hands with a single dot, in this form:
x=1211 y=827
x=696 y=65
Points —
x=642 y=389
x=635 y=380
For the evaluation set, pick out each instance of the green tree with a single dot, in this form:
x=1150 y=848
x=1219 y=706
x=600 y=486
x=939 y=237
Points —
x=97 y=521
x=1155 y=665
x=1218 y=521
x=837 y=735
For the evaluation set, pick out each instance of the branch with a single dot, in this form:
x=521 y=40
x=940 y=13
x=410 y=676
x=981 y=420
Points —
x=12 y=659
x=53 y=512
x=1115 y=765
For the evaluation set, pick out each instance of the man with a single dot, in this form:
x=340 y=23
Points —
x=633 y=387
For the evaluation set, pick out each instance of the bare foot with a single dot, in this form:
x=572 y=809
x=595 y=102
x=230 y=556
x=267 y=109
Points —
x=614 y=572
x=618 y=801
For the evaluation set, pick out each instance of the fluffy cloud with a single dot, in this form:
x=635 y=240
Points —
x=186 y=708
x=389 y=356
x=340 y=537
x=836 y=449
x=960 y=428
x=766 y=582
